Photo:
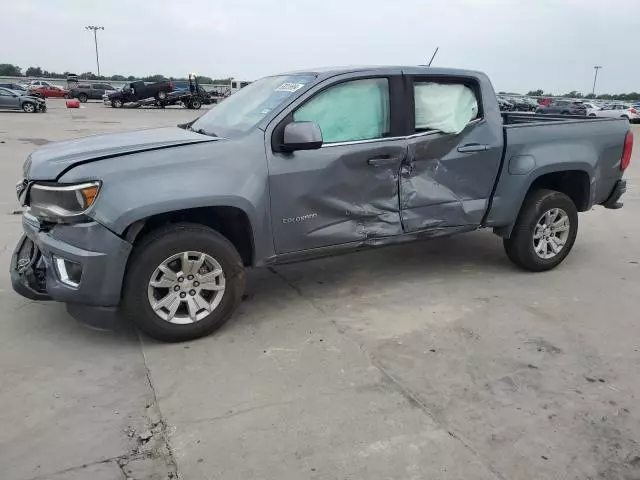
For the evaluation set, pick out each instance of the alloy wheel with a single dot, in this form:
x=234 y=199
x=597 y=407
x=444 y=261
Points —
x=550 y=233
x=186 y=287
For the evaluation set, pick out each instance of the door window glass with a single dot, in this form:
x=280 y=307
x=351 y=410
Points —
x=447 y=108
x=5 y=93
x=350 y=111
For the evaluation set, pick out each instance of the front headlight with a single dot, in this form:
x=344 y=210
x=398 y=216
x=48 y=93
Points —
x=62 y=203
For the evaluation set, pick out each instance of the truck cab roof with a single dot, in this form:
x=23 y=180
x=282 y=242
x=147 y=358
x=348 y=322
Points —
x=327 y=72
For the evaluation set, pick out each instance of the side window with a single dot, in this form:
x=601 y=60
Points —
x=350 y=111
x=4 y=93
x=444 y=107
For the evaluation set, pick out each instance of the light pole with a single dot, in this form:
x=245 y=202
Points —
x=595 y=78
x=95 y=39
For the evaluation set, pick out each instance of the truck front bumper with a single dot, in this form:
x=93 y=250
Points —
x=613 y=201
x=81 y=265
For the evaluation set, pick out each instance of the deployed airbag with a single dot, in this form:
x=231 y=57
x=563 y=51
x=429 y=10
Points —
x=447 y=108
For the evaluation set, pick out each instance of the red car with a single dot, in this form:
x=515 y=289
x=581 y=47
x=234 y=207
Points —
x=51 y=91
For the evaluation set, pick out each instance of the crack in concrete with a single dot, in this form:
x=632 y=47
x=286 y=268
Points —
x=116 y=460
x=403 y=390
x=163 y=428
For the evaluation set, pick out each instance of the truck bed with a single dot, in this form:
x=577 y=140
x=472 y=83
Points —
x=512 y=118
x=547 y=143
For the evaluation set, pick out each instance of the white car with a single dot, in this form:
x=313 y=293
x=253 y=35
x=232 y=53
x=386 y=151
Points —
x=617 y=110
x=592 y=109
x=42 y=83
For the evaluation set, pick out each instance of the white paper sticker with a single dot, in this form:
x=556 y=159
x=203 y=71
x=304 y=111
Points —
x=289 y=87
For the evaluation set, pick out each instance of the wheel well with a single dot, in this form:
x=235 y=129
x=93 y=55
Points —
x=573 y=183
x=231 y=222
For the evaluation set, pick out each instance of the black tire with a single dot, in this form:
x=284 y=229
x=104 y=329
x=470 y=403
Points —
x=520 y=246
x=117 y=103
x=83 y=98
x=157 y=246
x=592 y=114
x=161 y=95
x=565 y=113
x=195 y=104
x=29 y=107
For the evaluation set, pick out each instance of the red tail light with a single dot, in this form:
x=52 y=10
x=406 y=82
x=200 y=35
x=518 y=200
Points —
x=633 y=110
x=626 y=152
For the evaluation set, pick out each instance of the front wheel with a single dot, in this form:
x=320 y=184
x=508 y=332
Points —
x=28 y=107
x=183 y=282
x=83 y=98
x=116 y=103
x=196 y=104
x=161 y=95
x=545 y=231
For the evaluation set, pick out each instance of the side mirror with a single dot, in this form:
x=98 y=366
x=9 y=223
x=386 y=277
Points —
x=302 y=136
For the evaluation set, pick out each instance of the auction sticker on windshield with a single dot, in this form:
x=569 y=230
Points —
x=289 y=87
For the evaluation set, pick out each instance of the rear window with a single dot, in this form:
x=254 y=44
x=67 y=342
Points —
x=444 y=107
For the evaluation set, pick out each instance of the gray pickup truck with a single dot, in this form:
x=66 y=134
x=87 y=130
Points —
x=159 y=225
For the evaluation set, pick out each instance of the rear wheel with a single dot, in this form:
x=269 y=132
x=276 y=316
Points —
x=545 y=231
x=83 y=97
x=29 y=107
x=117 y=103
x=196 y=103
x=182 y=282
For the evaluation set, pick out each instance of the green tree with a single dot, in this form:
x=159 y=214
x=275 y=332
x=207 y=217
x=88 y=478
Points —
x=155 y=78
x=590 y=95
x=8 y=70
x=536 y=93
x=33 y=72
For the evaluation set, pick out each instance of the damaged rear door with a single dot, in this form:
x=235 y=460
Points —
x=453 y=155
x=347 y=190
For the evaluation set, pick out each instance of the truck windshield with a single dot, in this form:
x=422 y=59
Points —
x=244 y=110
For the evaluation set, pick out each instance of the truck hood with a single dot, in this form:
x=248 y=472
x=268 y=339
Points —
x=52 y=160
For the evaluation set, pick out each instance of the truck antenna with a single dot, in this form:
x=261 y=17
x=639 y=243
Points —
x=433 y=56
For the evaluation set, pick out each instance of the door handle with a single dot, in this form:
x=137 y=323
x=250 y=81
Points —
x=383 y=160
x=473 y=147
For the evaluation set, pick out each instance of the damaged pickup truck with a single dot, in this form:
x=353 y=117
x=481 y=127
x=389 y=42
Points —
x=159 y=225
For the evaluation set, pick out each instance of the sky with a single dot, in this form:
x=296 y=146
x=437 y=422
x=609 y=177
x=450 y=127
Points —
x=522 y=44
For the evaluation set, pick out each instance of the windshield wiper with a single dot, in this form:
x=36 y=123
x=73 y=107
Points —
x=202 y=131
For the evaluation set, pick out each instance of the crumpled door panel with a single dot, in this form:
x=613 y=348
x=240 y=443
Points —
x=332 y=195
x=441 y=187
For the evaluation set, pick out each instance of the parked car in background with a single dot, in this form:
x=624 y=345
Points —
x=15 y=86
x=52 y=91
x=519 y=104
x=160 y=224
x=532 y=103
x=90 y=91
x=592 y=108
x=504 y=105
x=135 y=91
x=41 y=83
x=17 y=100
x=617 y=110
x=563 y=107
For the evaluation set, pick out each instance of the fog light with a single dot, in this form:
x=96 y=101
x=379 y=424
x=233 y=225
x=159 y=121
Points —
x=69 y=272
